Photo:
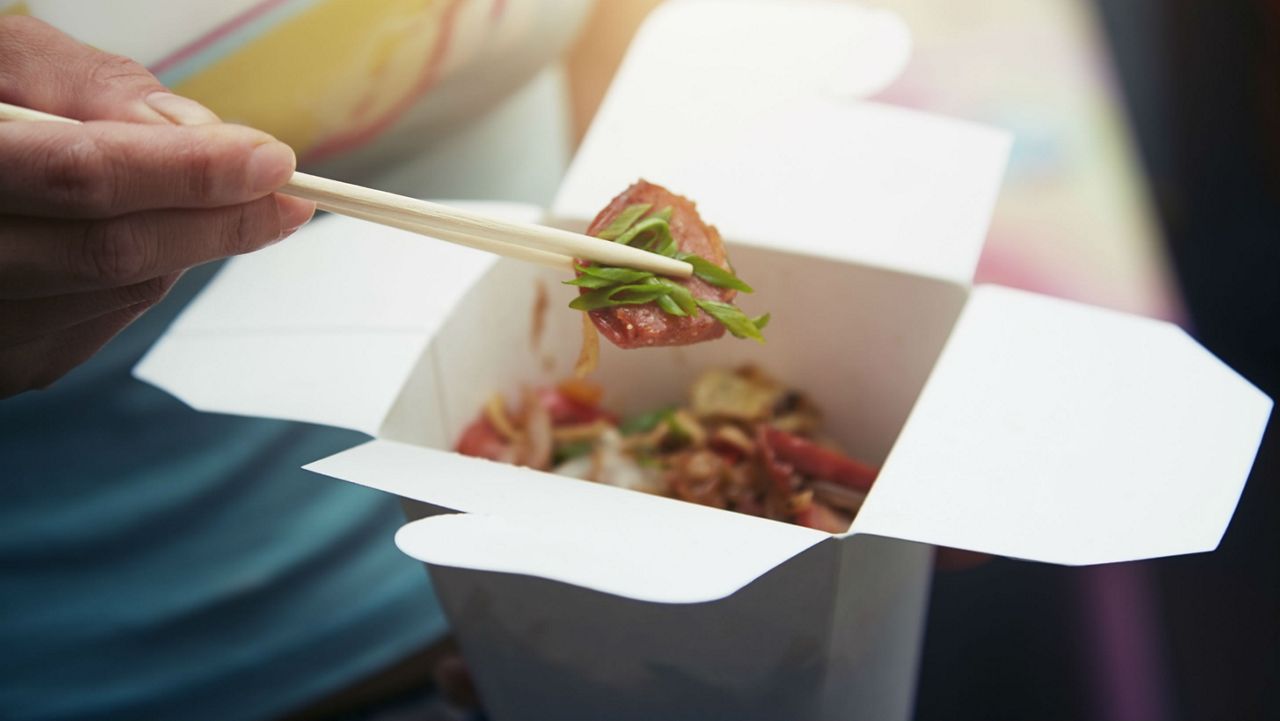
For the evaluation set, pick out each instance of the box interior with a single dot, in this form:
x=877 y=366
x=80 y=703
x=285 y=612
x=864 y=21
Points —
x=859 y=340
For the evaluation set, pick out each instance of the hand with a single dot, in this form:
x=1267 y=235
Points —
x=97 y=221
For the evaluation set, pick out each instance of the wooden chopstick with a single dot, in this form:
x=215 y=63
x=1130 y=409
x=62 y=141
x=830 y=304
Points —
x=510 y=250
x=522 y=241
x=533 y=242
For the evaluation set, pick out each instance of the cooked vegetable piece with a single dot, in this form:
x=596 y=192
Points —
x=714 y=274
x=623 y=221
x=644 y=422
x=589 y=353
x=723 y=393
x=582 y=392
x=570 y=403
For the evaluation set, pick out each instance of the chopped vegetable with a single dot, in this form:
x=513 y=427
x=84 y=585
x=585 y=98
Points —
x=734 y=395
x=625 y=220
x=714 y=274
x=496 y=413
x=581 y=391
x=589 y=354
x=725 y=448
x=570 y=451
x=732 y=318
x=644 y=422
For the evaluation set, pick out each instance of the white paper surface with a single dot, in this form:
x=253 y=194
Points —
x=746 y=121
x=324 y=327
x=877 y=629
x=286 y=375
x=604 y=538
x=1058 y=432
x=546 y=651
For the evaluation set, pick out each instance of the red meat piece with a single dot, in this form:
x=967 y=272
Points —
x=814 y=461
x=644 y=325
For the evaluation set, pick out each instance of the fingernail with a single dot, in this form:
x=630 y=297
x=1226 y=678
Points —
x=270 y=166
x=180 y=110
x=294 y=213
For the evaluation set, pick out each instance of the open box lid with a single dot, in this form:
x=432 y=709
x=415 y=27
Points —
x=758 y=111
x=1162 y=437
x=612 y=540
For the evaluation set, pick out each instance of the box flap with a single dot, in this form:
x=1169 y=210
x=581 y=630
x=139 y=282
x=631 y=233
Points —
x=1058 y=432
x=600 y=537
x=752 y=110
x=341 y=299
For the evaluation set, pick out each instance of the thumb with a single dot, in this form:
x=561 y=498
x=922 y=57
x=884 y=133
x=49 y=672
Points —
x=48 y=70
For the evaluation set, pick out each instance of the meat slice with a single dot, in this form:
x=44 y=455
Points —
x=644 y=325
x=815 y=461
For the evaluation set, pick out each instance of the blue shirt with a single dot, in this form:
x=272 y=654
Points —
x=156 y=562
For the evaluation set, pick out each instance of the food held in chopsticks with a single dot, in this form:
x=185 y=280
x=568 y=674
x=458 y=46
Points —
x=636 y=309
x=742 y=442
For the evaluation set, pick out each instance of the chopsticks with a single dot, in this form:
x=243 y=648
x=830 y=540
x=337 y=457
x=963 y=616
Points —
x=522 y=241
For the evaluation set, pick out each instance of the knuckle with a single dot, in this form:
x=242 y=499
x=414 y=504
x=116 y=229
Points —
x=247 y=228
x=213 y=165
x=79 y=173
x=106 y=70
x=201 y=175
x=239 y=231
x=111 y=252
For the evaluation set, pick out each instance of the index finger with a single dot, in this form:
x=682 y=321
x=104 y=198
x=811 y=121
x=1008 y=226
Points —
x=106 y=169
x=41 y=67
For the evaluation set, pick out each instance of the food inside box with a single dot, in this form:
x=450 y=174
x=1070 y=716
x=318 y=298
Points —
x=742 y=441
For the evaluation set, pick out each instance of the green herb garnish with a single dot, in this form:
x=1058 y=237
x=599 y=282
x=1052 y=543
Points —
x=608 y=286
x=645 y=422
x=714 y=274
x=670 y=307
x=651 y=234
x=618 y=295
x=569 y=451
x=732 y=318
x=598 y=276
x=625 y=220
x=679 y=295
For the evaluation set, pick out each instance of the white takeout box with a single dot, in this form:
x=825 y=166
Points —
x=1006 y=422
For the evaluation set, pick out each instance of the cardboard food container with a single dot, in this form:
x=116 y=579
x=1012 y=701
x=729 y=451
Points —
x=1004 y=421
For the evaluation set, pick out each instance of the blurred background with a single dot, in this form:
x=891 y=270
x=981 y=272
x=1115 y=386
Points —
x=1145 y=177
